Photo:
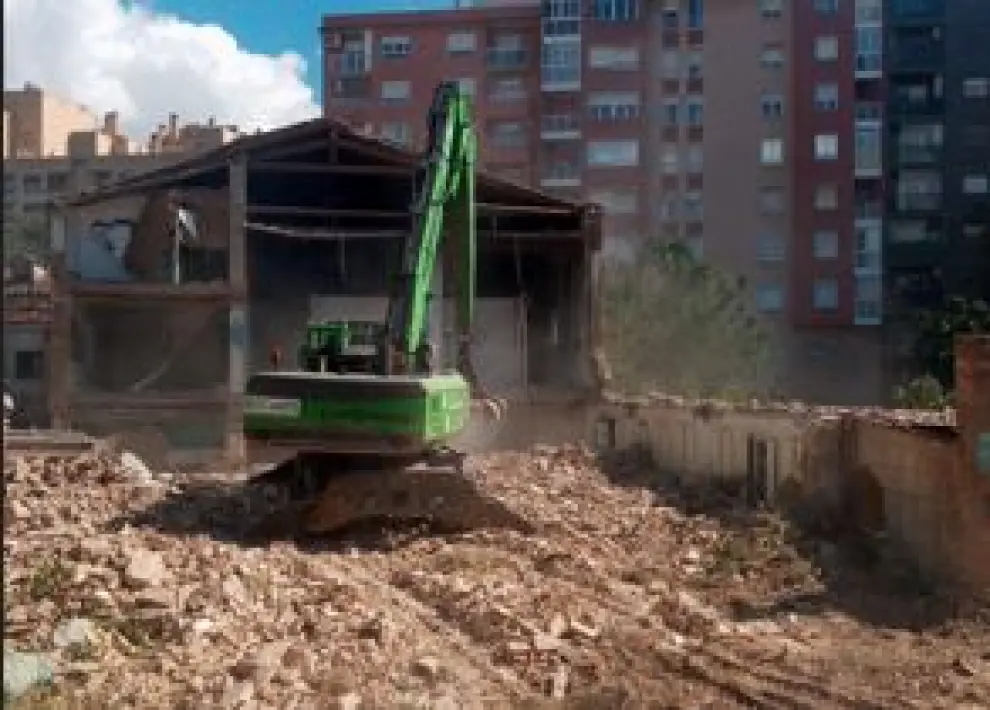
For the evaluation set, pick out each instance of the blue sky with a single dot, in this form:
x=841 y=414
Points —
x=274 y=26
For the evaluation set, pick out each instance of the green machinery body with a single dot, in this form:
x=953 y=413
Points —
x=360 y=387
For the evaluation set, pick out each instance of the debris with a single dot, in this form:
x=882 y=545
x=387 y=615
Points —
x=179 y=612
x=24 y=671
x=145 y=568
x=74 y=633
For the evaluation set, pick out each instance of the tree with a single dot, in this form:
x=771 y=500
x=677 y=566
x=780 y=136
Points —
x=934 y=351
x=674 y=324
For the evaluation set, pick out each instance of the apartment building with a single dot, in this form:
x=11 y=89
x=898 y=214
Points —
x=50 y=142
x=760 y=133
x=938 y=132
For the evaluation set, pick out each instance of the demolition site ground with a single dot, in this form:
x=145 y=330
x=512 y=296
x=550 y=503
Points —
x=588 y=584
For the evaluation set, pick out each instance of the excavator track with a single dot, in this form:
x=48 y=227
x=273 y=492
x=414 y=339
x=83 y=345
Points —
x=326 y=494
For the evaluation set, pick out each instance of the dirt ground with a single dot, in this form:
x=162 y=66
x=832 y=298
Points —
x=598 y=587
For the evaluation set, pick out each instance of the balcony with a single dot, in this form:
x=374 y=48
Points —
x=869 y=210
x=506 y=59
x=902 y=105
x=916 y=55
x=352 y=64
x=914 y=13
x=560 y=127
x=919 y=202
x=561 y=176
x=918 y=155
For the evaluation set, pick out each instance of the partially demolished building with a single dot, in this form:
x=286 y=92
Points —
x=172 y=285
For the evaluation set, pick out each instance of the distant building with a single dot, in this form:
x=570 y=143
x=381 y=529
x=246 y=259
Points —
x=44 y=136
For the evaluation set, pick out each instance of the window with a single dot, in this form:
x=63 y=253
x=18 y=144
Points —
x=911 y=231
x=976 y=88
x=28 y=365
x=696 y=14
x=825 y=244
x=772 y=200
x=614 y=58
x=33 y=185
x=769 y=298
x=618 y=153
x=826 y=146
x=869 y=299
x=461 y=42
x=695 y=158
x=395 y=90
x=869 y=148
x=869 y=239
x=507 y=90
x=826 y=97
x=919 y=190
x=468 y=86
x=772 y=151
x=695 y=107
x=826 y=197
x=869 y=49
x=670 y=160
x=826 y=7
x=561 y=63
x=614 y=106
x=507 y=134
x=976 y=184
x=869 y=11
x=772 y=57
x=693 y=206
x=616 y=201
x=772 y=106
x=770 y=248
x=671 y=112
x=670 y=64
x=771 y=8
x=694 y=65
x=825 y=295
x=669 y=15
x=397 y=132
x=616 y=10
x=57 y=182
x=826 y=48
x=396 y=47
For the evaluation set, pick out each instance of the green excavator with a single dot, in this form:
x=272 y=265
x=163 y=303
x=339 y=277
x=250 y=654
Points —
x=366 y=407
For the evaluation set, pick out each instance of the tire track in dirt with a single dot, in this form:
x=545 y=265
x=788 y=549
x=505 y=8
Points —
x=414 y=613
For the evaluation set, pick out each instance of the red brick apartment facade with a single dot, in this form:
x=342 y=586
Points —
x=689 y=119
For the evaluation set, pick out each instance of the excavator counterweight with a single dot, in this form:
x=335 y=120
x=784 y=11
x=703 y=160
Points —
x=365 y=401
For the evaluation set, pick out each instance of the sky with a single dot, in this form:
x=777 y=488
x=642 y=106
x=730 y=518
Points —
x=254 y=63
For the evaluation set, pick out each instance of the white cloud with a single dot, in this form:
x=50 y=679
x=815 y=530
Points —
x=110 y=56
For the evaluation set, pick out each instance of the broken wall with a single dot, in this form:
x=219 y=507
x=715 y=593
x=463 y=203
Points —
x=913 y=476
x=132 y=239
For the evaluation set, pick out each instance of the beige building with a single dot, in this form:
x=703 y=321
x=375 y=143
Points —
x=44 y=136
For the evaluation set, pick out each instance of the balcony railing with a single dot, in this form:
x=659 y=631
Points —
x=561 y=177
x=919 y=154
x=506 y=59
x=563 y=126
x=925 y=202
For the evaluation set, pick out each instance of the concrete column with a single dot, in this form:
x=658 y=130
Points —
x=238 y=308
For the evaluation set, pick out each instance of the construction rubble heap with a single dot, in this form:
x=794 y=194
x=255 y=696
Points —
x=602 y=589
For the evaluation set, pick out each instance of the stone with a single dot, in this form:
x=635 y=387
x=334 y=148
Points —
x=135 y=469
x=76 y=632
x=348 y=701
x=144 y=569
x=234 y=591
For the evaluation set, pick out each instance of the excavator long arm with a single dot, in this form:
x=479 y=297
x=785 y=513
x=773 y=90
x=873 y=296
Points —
x=444 y=216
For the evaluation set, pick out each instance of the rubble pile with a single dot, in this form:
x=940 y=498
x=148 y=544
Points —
x=138 y=589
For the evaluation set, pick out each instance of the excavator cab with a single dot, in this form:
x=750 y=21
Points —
x=367 y=398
